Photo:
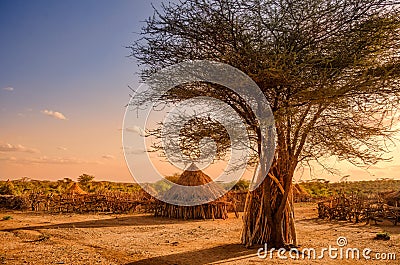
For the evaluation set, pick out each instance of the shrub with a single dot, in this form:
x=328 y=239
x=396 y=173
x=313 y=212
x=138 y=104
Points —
x=382 y=236
x=7 y=217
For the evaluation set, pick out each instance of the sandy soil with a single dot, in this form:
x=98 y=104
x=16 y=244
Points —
x=34 y=238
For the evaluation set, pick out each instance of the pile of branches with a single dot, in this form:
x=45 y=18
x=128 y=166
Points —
x=11 y=202
x=95 y=203
x=356 y=208
x=113 y=202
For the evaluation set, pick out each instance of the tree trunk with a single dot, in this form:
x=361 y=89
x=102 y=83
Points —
x=269 y=215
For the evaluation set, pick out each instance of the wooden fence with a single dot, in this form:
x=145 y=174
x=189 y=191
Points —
x=112 y=202
x=356 y=209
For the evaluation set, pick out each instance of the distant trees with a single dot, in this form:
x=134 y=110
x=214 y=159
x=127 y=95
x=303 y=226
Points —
x=21 y=187
x=7 y=188
x=242 y=185
x=84 y=179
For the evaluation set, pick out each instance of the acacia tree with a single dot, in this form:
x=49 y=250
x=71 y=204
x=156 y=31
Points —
x=329 y=69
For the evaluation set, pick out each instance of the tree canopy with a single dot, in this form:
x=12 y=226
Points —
x=329 y=69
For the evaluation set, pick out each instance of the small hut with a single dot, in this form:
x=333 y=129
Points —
x=300 y=194
x=74 y=189
x=206 y=190
x=146 y=192
x=393 y=198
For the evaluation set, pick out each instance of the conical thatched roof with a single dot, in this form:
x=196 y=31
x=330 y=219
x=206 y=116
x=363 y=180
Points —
x=300 y=194
x=147 y=190
x=393 y=198
x=74 y=189
x=203 y=189
x=393 y=195
x=193 y=176
x=299 y=190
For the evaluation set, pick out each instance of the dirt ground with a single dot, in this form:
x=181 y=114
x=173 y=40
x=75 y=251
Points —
x=34 y=238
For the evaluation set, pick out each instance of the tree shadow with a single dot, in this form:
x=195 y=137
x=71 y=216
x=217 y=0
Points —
x=223 y=254
x=385 y=225
x=138 y=220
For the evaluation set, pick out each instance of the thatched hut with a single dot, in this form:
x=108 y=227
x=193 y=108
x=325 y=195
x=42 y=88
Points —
x=74 y=189
x=147 y=192
x=300 y=194
x=206 y=190
x=393 y=198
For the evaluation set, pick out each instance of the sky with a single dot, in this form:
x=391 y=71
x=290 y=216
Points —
x=64 y=77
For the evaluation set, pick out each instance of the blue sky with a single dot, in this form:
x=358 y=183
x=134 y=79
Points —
x=67 y=57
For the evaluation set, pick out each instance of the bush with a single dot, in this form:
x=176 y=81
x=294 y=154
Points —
x=7 y=217
x=382 y=236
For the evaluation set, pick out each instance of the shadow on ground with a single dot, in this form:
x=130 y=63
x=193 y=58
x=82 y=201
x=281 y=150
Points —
x=385 y=225
x=141 y=220
x=223 y=254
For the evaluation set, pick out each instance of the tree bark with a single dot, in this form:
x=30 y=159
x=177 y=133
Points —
x=269 y=215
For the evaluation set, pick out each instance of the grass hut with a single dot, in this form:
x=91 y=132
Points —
x=300 y=194
x=74 y=189
x=206 y=190
x=393 y=198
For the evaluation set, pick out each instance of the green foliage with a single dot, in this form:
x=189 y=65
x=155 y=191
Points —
x=7 y=217
x=26 y=186
x=85 y=179
x=161 y=186
x=322 y=190
x=7 y=188
x=382 y=236
x=174 y=178
x=242 y=185
x=315 y=189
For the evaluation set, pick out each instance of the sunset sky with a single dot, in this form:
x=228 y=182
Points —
x=64 y=76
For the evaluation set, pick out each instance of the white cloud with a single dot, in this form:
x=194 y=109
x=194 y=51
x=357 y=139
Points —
x=8 y=88
x=109 y=157
x=136 y=129
x=54 y=114
x=62 y=148
x=11 y=158
x=6 y=147
x=48 y=160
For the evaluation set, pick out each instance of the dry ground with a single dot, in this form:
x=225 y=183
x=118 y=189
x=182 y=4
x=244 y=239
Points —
x=33 y=238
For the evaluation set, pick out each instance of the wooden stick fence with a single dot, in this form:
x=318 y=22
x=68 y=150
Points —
x=85 y=203
x=356 y=209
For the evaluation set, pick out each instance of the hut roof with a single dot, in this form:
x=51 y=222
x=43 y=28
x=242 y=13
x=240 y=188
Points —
x=147 y=189
x=204 y=188
x=300 y=190
x=193 y=176
x=74 y=189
